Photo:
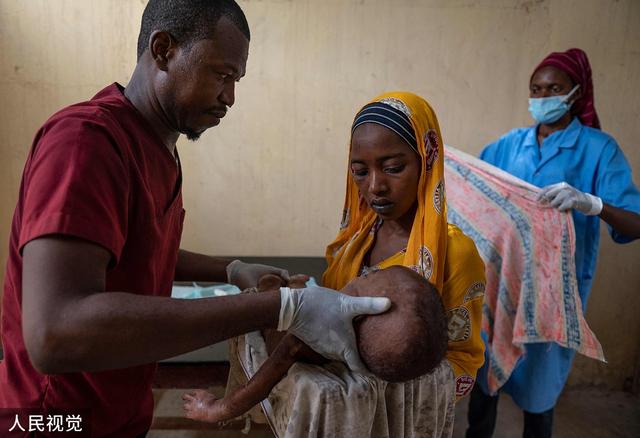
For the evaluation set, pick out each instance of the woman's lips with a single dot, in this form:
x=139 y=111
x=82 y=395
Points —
x=382 y=207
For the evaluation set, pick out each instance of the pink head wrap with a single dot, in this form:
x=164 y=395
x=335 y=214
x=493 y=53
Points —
x=575 y=63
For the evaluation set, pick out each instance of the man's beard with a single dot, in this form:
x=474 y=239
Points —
x=192 y=135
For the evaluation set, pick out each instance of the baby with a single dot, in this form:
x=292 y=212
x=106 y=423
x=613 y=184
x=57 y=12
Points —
x=401 y=344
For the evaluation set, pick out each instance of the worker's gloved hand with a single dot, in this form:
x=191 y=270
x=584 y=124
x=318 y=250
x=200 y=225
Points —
x=564 y=197
x=246 y=275
x=323 y=319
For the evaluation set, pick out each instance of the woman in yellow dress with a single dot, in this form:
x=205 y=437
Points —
x=395 y=213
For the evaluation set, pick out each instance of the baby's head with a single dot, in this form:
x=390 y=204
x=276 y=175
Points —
x=407 y=341
x=410 y=339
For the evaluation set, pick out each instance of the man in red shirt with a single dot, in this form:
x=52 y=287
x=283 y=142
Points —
x=94 y=245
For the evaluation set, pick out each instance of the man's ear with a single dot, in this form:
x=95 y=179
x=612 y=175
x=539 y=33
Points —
x=161 y=48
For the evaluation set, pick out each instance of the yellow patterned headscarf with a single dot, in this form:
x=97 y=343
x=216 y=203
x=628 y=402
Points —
x=426 y=248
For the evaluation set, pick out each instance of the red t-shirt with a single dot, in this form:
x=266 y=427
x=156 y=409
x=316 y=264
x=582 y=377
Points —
x=96 y=171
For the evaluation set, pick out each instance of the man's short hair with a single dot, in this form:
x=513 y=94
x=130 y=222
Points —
x=188 y=21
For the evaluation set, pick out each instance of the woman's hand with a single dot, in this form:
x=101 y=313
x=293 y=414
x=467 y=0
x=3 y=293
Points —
x=564 y=197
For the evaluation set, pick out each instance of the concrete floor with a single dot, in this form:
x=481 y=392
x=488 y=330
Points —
x=584 y=413
x=580 y=413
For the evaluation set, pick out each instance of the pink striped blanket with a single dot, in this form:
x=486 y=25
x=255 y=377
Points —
x=532 y=292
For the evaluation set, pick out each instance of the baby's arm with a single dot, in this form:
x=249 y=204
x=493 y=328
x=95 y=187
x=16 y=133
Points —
x=204 y=406
x=284 y=350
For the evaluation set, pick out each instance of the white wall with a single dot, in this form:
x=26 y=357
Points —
x=270 y=179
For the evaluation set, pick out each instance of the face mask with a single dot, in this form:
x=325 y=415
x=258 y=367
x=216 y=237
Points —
x=550 y=109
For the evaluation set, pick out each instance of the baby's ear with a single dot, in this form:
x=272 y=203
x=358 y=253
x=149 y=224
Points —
x=270 y=282
x=298 y=281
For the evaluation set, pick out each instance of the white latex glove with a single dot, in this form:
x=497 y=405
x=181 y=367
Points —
x=246 y=275
x=564 y=197
x=322 y=318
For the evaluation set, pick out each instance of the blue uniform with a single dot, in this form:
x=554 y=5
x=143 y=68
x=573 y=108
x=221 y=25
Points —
x=591 y=161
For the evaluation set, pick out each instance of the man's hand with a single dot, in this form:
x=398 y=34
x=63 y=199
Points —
x=323 y=319
x=564 y=197
x=246 y=275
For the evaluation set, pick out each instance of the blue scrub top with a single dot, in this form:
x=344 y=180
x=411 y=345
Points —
x=591 y=161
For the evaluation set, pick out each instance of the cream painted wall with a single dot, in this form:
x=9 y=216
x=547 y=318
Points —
x=270 y=179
